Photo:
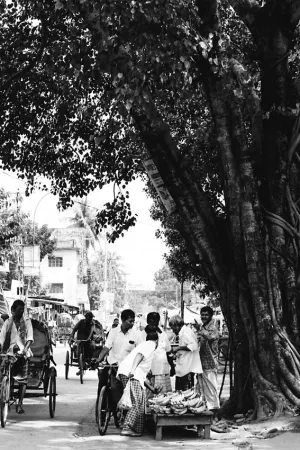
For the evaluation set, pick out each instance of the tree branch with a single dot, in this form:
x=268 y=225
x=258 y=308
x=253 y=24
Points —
x=197 y=216
x=246 y=10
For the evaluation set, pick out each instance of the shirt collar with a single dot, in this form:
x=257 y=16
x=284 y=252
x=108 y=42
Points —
x=208 y=325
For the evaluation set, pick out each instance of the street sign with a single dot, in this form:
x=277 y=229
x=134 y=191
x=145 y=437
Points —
x=159 y=185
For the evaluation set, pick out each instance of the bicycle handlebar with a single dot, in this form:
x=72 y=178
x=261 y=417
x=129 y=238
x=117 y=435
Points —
x=107 y=365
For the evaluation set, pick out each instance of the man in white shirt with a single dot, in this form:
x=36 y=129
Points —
x=16 y=337
x=188 y=361
x=134 y=369
x=119 y=343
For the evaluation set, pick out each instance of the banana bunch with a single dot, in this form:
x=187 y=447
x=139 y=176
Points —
x=171 y=394
x=165 y=410
x=194 y=403
x=179 y=411
x=179 y=398
x=161 y=409
x=157 y=400
x=164 y=402
x=188 y=393
x=198 y=410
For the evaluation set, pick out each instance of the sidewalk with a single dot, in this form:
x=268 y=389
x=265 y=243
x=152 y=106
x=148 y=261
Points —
x=178 y=438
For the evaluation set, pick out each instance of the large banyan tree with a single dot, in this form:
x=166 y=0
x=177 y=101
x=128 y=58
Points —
x=206 y=94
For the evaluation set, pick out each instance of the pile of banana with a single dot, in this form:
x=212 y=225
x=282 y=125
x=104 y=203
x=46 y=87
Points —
x=179 y=402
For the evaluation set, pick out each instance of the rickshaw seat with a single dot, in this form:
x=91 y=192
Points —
x=40 y=346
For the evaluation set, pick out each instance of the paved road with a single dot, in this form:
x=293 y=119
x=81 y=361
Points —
x=74 y=425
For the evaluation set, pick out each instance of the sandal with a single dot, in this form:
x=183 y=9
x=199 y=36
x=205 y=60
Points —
x=19 y=409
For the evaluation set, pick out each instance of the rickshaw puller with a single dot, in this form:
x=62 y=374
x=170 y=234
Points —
x=17 y=335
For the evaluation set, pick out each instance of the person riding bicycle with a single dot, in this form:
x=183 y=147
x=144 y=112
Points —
x=119 y=343
x=15 y=339
x=88 y=330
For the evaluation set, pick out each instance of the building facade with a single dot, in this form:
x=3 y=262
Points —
x=62 y=272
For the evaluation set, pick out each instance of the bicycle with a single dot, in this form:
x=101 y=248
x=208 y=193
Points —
x=104 y=408
x=7 y=397
x=77 y=356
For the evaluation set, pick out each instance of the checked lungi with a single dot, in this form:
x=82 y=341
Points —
x=135 y=416
x=19 y=368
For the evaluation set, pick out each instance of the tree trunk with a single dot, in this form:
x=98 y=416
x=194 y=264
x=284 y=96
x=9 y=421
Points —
x=252 y=260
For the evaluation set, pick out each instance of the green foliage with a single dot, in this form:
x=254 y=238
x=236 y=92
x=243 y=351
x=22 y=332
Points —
x=16 y=230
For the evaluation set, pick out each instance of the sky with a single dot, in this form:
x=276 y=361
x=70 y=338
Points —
x=141 y=252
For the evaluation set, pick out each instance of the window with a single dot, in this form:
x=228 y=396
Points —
x=56 y=288
x=55 y=261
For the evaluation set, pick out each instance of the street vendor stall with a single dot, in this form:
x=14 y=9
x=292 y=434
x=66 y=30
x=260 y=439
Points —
x=180 y=408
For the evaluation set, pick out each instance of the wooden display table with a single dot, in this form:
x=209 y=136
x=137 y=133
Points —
x=203 y=420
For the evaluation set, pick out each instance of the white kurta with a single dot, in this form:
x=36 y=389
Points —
x=15 y=338
x=188 y=361
x=147 y=350
x=160 y=364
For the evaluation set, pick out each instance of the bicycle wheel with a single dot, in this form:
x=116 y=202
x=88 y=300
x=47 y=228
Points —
x=81 y=367
x=67 y=364
x=4 y=400
x=102 y=411
x=52 y=394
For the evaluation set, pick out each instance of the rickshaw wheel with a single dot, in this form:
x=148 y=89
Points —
x=102 y=411
x=46 y=380
x=4 y=400
x=52 y=394
x=67 y=364
x=72 y=355
x=81 y=367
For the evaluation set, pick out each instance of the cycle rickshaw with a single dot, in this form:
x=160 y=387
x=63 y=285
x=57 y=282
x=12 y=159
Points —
x=64 y=328
x=75 y=356
x=41 y=374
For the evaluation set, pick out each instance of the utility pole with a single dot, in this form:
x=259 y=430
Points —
x=181 y=299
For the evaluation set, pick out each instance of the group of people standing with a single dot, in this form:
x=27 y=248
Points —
x=197 y=356
x=146 y=360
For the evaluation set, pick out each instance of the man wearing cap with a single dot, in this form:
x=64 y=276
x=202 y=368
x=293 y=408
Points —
x=86 y=331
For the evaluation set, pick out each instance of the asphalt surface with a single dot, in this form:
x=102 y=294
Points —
x=74 y=427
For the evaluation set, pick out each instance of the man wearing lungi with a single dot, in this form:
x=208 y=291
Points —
x=134 y=369
x=208 y=337
x=15 y=339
